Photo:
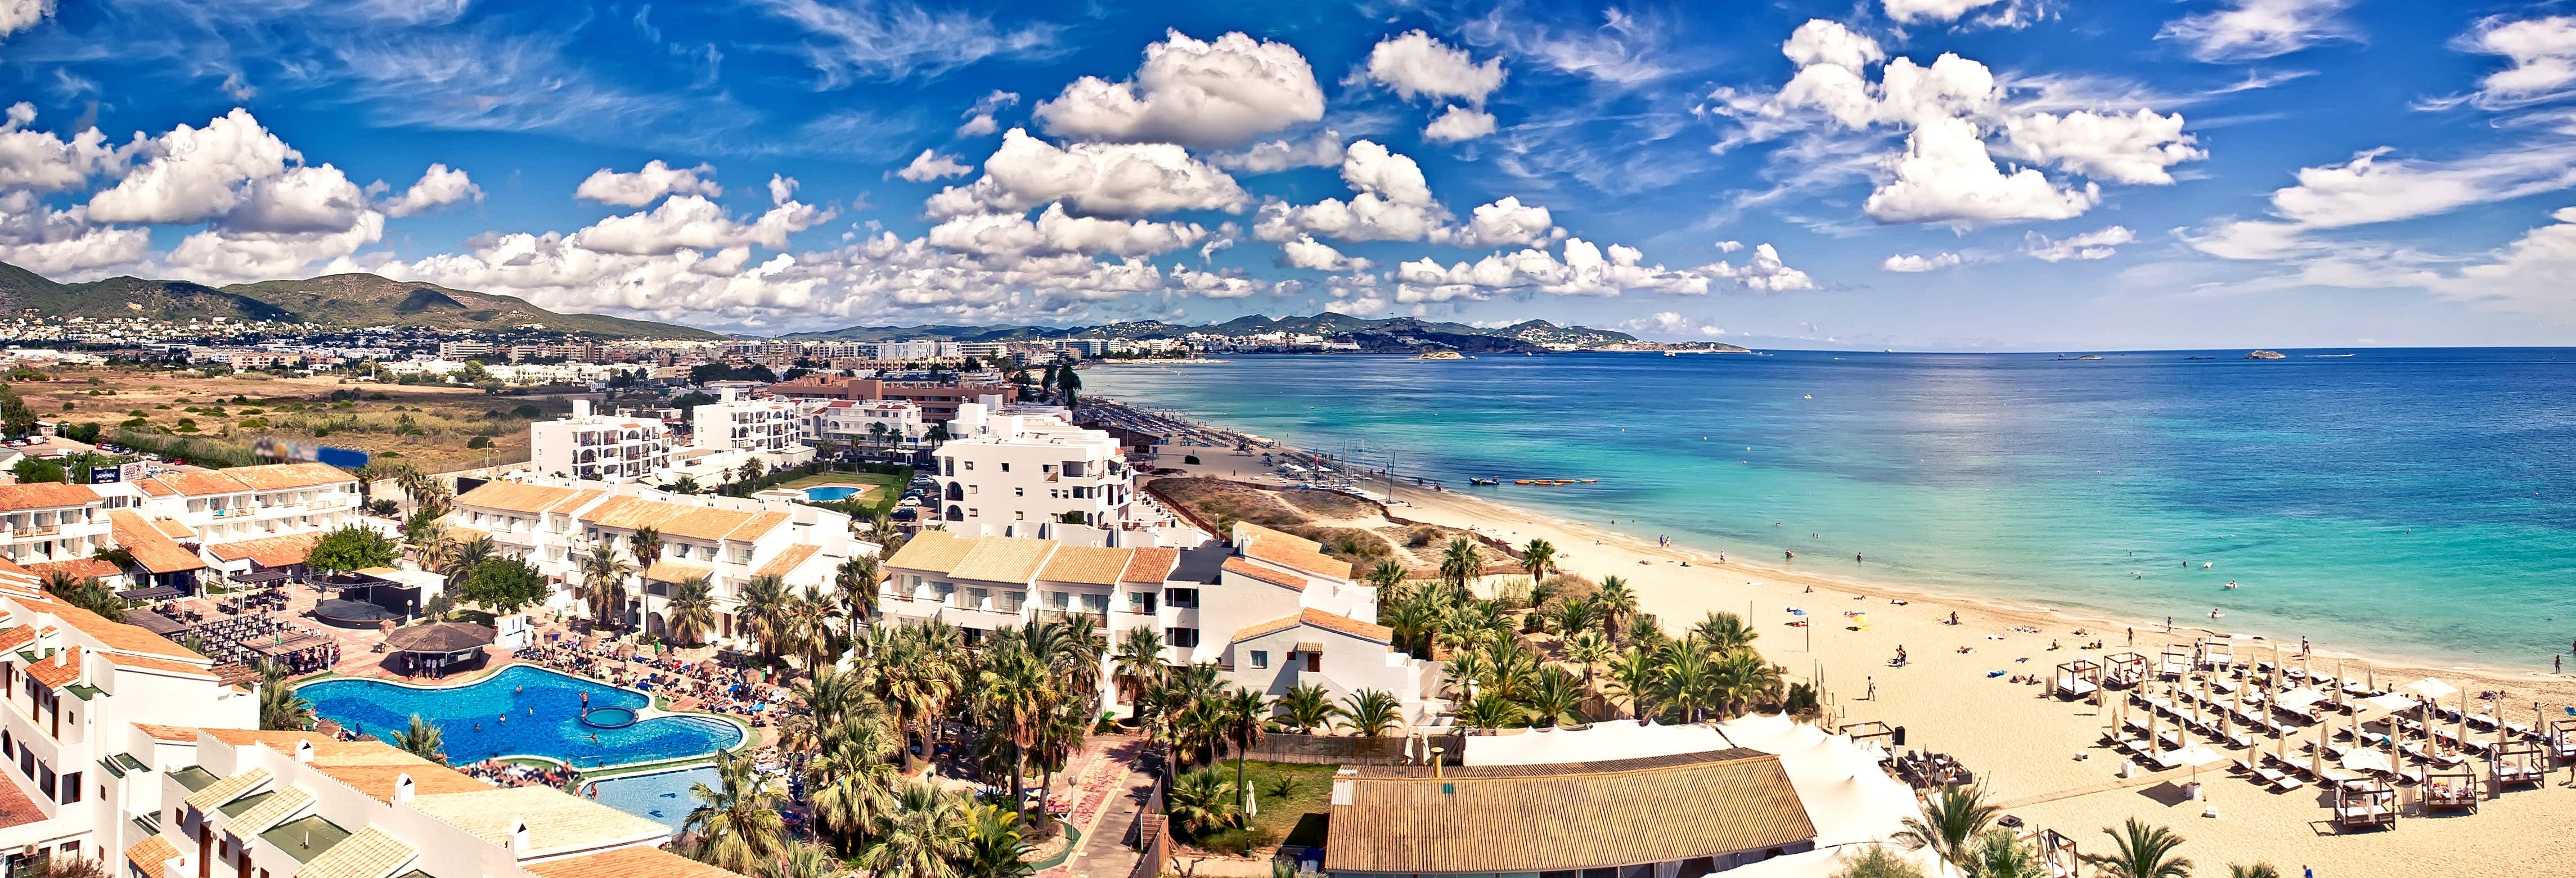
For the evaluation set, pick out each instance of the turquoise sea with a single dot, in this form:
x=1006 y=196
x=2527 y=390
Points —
x=2411 y=502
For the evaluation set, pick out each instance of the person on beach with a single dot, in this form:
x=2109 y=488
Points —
x=1873 y=688
x=2303 y=646
x=2133 y=637
x=1792 y=555
x=1855 y=557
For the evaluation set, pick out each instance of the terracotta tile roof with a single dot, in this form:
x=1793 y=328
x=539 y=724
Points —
x=1247 y=532
x=44 y=495
x=57 y=670
x=154 y=664
x=15 y=808
x=1151 y=565
x=283 y=476
x=269 y=813
x=281 y=741
x=150 y=547
x=276 y=551
x=167 y=733
x=151 y=852
x=1538 y=818
x=1004 y=559
x=788 y=561
x=1319 y=619
x=152 y=486
x=935 y=550
x=557 y=822
x=1087 y=565
x=515 y=497
x=1298 y=558
x=372 y=853
x=579 y=499
x=227 y=789
x=377 y=781
x=759 y=525
x=11 y=568
x=198 y=483
x=178 y=530
x=16 y=637
x=1238 y=566
x=672 y=519
x=77 y=567
x=627 y=863
x=118 y=636
x=676 y=571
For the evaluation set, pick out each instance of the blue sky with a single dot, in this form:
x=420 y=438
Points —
x=1924 y=174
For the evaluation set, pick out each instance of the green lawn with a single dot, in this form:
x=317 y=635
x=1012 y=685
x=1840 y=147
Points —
x=1297 y=819
x=889 y=488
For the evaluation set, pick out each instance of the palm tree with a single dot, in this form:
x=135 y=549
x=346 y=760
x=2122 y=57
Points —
x=1140 y=663
x=1876 y=861
x=1308 y=707
x=2257 y=870
x=1201 y=798
x=1557 y=699
x=603 y=575
x=850 y=783
x=804 y=859
x=917 y=680
x=1244 y=711
x=1723 y=632
x=1371 y=712
x=858 y=579
x=1950 y=823
x=1618 y=604
x=1537 y=558
x=646 y=544
x=692 y=611
x=735 y=824
x=1997 y=854
x=1741 y=680
x=458 y=558
x=1574 y=616
x=1589 y=649
x=422 y=740
x=1461 y=563
x=1388 y=577
x=1633 y=675
x=994 y=848
x=70 y=865
x=923 y=838
x=762 y=615
x=1683 y=680
x=279 y=707
x=423 y=537
x=1016 y=692
x=1490 y=710
x=2141 y=851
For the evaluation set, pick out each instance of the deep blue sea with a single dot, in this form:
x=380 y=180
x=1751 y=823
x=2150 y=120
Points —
x=2415 y=502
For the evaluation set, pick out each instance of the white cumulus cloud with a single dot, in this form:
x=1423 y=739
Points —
x=642 y=187
x=1916 y=263
x=438 y=187
x=1104 y=179
x=2099 y=244
x=1393 y=203
x=1945 y=175
x=1457 y=124
x=1324 y=149
x=1417 y=64
x=1213 y=94
x=930 y=165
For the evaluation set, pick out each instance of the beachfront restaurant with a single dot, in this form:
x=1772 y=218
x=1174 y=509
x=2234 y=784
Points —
x=1673 y=816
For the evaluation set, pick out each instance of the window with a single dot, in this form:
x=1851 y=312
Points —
x=975 y=598
x=1183 y=638
x=71 y=788
x=1006 y=466
x=1181 y=597
x=1260 y=658
x=1056 y=600
x=970 y=466
x=1140 y=602
x=1019 y=491
x=1011 y=601
x=1314 y=662
x=1095 y=603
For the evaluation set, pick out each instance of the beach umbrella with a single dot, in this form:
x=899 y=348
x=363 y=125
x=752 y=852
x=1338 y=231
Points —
x=2338 y=687
x=2366 y=761
x=2431 y=688
x=2317 y=757
x=2197 y=756
x=2464 y=721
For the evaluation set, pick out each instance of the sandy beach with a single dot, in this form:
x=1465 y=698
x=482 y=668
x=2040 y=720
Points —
x=2041 y=757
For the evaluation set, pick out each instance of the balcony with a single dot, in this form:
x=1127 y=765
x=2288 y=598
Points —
x=32 y=530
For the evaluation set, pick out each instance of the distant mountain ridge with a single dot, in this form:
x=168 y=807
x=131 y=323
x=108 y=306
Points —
x=338 y=301
x=1373 y=334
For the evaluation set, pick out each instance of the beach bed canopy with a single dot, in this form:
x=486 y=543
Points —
x=2391 y=702
x=262 y=577
x=2298 y=699
x=154 y=593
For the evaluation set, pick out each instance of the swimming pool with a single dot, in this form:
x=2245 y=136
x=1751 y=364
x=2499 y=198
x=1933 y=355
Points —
x=662 y=796
x=831 y=493
x=544 y=718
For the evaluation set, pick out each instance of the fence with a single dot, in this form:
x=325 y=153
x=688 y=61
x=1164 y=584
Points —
x=1339 y=750
x=1151 y=835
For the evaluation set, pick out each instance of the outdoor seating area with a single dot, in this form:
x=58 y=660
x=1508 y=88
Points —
x=1931 y=770
x=2285 y=726
x=714 y=684
x=247 y=639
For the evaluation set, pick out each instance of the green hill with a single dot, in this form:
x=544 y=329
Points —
x=340 y=301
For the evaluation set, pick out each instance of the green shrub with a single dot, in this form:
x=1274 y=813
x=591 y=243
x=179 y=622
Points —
x=254 y=423
x=1190 y=459
x=479 y=442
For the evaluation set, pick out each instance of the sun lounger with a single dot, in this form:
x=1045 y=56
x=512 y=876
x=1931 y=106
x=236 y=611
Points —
x=2278 y=781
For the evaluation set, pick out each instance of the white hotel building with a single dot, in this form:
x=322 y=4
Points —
x=584 y=445
x=999 y=470
x=863 y=423
x=1271 y=612
x=552 y=524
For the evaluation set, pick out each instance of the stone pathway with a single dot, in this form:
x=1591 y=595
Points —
x=1110 y=801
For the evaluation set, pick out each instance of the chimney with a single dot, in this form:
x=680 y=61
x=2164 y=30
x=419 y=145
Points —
x=62 y=657
x=304 y=751
x=402 y=788
x=519 y=839
x=581 y=408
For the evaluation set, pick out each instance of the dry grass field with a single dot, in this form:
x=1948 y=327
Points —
x=434 y=428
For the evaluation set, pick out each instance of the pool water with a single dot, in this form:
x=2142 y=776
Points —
x=830 y=493
x=661 y=796
x=544 y=718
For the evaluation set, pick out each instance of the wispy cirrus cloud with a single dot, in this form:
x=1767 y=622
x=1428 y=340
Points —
x=849 y=41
